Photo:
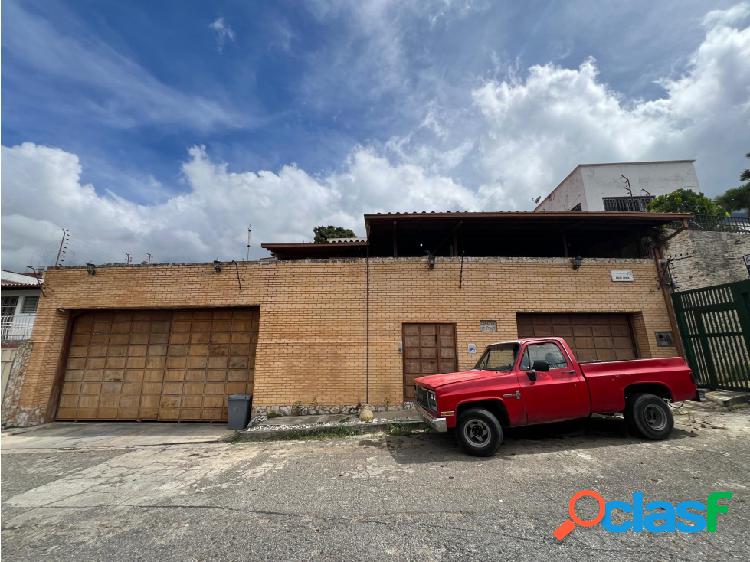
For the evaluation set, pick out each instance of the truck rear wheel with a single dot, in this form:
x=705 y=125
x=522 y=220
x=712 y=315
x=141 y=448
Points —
x=479 y=432
x=649 y=416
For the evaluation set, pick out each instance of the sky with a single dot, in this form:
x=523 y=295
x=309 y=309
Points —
x=166 y=128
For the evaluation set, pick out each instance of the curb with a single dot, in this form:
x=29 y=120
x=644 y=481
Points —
x=728 y=399
x=343 y=430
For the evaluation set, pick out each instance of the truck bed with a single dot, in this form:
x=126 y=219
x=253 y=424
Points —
x=608 y=380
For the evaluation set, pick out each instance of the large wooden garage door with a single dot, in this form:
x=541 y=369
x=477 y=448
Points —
x=428 y=349
x=158 y=365
x=593 y=337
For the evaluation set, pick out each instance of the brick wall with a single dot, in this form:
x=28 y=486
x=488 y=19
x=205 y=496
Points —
x=705 y=258
x=311 y=346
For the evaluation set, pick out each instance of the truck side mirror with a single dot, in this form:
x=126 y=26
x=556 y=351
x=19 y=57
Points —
x=531 y=374
x=540 y=366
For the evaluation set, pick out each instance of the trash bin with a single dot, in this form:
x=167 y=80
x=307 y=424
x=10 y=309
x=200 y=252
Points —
x=239 y=410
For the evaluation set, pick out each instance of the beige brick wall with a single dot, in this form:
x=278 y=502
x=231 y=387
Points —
x=311 y=346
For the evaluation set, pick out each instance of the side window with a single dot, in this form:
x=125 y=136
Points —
x=548 y=352
x=525 y=363
x=29 y=305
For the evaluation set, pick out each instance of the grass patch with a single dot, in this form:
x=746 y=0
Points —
x=272 y=415
x=327 y=432
x=404 y=429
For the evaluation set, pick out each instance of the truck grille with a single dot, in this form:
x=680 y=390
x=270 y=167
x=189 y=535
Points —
x=425 y=398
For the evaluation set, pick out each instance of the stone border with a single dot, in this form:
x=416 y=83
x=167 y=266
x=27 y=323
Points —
x=259 y=414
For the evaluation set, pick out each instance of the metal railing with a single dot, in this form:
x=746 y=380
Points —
x=634 y=203
x=17 y=327
x=719 y=224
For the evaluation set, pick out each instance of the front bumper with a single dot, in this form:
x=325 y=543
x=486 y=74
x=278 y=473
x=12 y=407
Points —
x=438 y=424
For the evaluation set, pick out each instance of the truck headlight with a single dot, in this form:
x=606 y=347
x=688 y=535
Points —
x=431 y=400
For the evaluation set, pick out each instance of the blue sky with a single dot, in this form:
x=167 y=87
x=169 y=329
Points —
x=168 y=126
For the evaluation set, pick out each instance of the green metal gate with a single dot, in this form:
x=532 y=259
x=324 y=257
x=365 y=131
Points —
x=715 y=326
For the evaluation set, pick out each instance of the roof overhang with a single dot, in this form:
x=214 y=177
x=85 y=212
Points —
x=312 y=250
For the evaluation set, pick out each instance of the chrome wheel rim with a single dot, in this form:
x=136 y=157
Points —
x=655 y=417
x=477 y=433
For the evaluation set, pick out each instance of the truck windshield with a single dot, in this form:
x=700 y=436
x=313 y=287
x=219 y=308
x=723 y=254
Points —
x=498 y=358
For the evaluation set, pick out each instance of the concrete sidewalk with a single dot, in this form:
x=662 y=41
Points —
x=111 y=435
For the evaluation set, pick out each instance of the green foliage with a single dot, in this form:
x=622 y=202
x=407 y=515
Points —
x=325 y=233
x=687 y=201
x=738 y=197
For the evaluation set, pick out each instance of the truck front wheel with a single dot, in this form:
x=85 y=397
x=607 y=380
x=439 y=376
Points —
x=479 y=432
x=650 y=416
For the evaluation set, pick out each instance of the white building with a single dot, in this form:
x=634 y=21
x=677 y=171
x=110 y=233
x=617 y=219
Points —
x=604 y=187
x=19 y=301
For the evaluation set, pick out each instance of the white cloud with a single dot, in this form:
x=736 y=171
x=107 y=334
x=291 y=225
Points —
x=222 y=31
x=42 y=192
x=735 y=14
x=514 y=140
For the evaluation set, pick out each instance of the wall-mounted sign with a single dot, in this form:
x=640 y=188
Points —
x=488 y=325
x=472 y=348
x=622 y=275
x=664 y=339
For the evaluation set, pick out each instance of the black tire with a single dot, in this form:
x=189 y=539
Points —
x=479 y=432
x=649 y=416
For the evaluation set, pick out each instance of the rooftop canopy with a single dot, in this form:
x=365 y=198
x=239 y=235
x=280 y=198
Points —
x=531 y=234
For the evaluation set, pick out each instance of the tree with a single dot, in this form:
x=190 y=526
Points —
x=687 y=201
x=325 y=233
x=737 y=198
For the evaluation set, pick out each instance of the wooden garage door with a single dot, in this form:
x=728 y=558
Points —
x=593 y=337
x=428 y=349
x=158 y=365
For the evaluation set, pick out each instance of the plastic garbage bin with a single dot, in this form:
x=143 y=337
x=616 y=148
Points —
x=238 y=410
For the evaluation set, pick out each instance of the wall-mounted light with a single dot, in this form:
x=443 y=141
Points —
x=576 y=262
x=217 y=266
x=90 y=268
x=430 y=260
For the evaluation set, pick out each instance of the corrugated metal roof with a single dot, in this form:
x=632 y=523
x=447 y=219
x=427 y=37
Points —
x=629 y=216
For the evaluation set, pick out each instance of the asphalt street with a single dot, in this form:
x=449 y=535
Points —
x=375 y=497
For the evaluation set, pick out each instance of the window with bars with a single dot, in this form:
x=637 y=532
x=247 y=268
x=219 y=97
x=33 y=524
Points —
x=29 y=305
x=639 y=203
x=9 y=306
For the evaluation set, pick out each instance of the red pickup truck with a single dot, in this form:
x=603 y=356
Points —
x=539 y=380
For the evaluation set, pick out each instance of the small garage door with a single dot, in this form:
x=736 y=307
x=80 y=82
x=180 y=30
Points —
x=593 y=337
x=428 y=349
x=158 y=365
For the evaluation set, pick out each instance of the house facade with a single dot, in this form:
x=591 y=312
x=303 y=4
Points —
x=20 y=298
x=622 y=186
x=324 y=327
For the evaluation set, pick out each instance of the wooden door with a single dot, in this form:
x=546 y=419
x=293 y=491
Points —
x=427 y=349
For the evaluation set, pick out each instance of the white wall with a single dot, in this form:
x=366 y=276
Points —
x=657 y=178
x=567 y=195
x=588 y=184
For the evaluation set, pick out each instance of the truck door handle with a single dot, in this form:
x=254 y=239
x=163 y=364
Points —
x=571 y=372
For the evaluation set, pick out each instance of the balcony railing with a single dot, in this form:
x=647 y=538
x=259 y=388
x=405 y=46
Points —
x=17 y=328
x=718 y=224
